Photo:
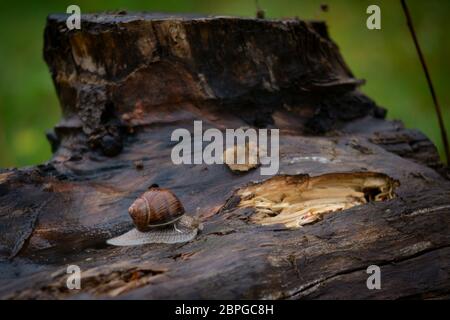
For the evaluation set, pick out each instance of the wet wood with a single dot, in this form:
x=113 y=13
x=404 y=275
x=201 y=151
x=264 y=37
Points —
x=126 y=81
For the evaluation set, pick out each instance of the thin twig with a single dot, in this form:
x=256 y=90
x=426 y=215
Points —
x=430 y=83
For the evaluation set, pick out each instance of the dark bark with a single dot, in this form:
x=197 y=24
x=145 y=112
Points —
x=125 y=82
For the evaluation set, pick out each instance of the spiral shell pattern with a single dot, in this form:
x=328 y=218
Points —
x=156 y=207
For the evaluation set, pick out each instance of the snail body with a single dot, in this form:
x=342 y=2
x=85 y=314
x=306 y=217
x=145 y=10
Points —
x=159 y=217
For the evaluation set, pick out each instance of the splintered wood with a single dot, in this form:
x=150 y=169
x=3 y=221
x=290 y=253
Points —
x=298 y=200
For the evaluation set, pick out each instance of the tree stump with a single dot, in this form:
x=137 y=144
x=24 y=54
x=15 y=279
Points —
x=127 y=81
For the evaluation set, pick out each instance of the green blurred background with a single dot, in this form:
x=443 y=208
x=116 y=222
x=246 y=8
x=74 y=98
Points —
x=385 y=58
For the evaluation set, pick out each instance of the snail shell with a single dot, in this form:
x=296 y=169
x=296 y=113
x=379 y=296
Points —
x=156 y=207
x=159 y=217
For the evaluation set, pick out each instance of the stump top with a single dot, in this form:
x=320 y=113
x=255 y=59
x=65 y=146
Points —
x=125 y=16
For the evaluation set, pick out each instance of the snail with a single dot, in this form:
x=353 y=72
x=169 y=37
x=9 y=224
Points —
x=159 y=217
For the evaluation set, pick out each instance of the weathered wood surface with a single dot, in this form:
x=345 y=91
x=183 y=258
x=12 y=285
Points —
x=126 y=81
